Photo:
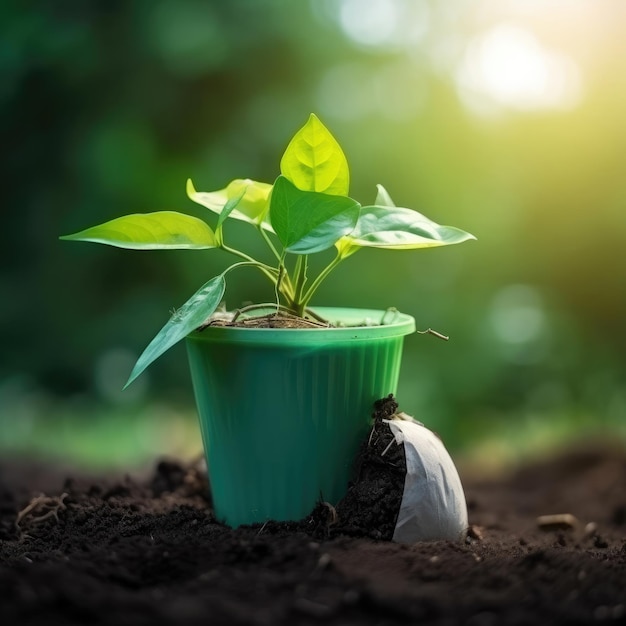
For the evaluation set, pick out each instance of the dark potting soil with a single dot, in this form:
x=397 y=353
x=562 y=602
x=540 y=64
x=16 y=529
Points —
x=371 y=506
x=280 y=319
x=149 y=551
x=283 y=318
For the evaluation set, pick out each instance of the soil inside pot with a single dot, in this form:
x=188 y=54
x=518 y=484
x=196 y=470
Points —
x=276 y=319
x=251 y=317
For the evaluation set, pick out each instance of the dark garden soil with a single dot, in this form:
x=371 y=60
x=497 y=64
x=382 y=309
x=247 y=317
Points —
x=78 y=550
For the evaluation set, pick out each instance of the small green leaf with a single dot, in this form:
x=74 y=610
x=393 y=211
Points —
x=307 y=222
x=230 y=206
x=162 y=230
x=383 y=198
x=185 y=320
x=399 y=228
x=251 y=207
x=314 y=161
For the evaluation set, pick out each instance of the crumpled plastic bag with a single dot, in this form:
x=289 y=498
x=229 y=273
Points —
x=433 y=503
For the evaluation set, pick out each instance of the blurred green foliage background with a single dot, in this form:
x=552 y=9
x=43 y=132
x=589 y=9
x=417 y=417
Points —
x=506 y=118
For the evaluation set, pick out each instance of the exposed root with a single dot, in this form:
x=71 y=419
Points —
x=41 y=508
x=333 y=518
x=280 y=317
x=430 y=331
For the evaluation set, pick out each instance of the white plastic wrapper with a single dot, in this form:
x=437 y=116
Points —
x=433 y=503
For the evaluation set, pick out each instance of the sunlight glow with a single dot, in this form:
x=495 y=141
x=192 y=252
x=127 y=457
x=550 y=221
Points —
x=508 y=67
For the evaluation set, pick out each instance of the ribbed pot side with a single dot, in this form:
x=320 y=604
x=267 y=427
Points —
x=283 y=411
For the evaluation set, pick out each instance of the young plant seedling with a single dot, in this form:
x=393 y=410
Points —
x=305 y=211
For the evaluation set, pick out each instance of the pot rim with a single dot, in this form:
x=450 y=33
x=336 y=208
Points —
x=395 y=324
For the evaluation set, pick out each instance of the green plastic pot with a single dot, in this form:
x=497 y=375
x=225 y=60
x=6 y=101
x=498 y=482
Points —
x=283 y=411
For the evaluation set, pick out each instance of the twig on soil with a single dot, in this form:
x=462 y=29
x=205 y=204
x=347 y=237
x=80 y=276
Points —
x=560 y=521
x=369 y=441
x=388 y=446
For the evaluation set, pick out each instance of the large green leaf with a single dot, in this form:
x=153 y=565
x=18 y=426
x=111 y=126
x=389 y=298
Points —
x=399 y=228
x=314 y=161
x=185 y=320
x=162 y=230
x=306 y=221
x=251 y=207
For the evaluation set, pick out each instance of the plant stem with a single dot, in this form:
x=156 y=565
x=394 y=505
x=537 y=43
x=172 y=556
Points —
x=302 y=265
x=271 y=272
x=243 y=255
x=285 y=287
x=269 y=243
x=302 y=304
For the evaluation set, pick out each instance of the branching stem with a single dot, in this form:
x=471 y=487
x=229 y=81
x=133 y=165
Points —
x=281 y=283
x=318 y=281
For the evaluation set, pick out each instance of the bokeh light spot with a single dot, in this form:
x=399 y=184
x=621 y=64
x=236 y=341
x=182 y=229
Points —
x=374 y=23
x=508 y=67
x=517 y=314
x=392 y=24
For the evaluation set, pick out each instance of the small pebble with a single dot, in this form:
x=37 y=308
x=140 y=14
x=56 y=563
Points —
x=475 y=532
x=324 y=561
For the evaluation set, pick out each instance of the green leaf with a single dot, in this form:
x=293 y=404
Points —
x=383 y=198
x=163 y=230
x=185 y=320
x=307 y=222
x=251 y=207
x=314 y=161
x=400 y=228
x=230 y=206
